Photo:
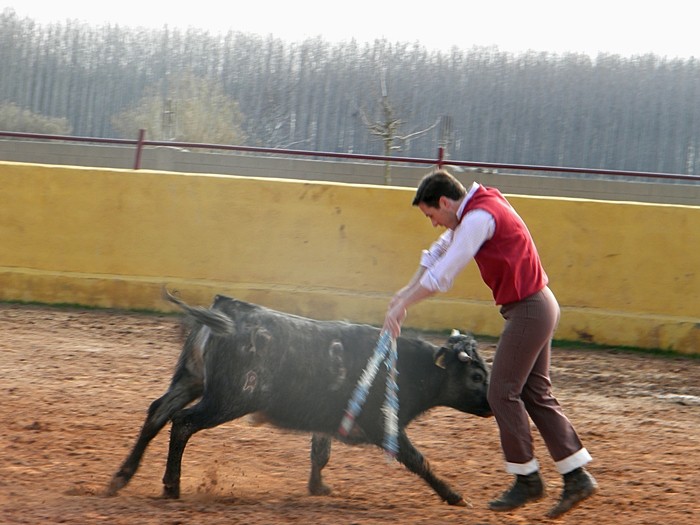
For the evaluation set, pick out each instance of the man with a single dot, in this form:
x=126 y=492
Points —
x=481 y=225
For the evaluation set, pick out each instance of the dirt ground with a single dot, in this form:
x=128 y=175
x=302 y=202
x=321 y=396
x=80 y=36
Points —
x=76 y=384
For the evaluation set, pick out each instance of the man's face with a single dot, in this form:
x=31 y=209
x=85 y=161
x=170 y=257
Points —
x=443 y=215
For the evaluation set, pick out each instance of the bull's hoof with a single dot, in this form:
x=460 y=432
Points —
x=170 y=492
x=320 y=490
x=117 y=483
x=458 y=501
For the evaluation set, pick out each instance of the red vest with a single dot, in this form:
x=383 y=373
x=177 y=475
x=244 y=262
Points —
x=508 y=262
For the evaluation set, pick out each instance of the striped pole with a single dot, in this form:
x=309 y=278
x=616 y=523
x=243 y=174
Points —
x=386 y=352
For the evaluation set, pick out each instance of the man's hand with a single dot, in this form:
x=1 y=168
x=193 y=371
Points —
x=410 y=294
x=395 y=316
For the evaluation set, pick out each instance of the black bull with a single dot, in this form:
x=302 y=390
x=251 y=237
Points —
x=299 y=373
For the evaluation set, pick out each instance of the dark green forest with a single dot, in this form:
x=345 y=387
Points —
x=637 y=113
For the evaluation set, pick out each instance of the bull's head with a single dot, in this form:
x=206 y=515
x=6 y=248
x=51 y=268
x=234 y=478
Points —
x=465 y=385
x=458 y=346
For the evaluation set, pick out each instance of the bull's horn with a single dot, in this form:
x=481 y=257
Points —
x=454 y=332
x=464 y=357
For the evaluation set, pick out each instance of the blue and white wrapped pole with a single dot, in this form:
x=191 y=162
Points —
x=386 y=352
x=391 y=404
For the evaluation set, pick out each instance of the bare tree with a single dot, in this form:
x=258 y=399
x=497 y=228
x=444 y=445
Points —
x=387 y=129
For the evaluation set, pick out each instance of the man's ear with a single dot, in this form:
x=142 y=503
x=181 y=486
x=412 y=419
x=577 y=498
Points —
x=443 y=203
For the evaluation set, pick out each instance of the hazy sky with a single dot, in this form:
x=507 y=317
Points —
x=667 y=28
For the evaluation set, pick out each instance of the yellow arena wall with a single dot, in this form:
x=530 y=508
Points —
x=624 y=273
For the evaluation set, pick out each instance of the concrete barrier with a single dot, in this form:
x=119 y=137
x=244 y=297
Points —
x=624 y=273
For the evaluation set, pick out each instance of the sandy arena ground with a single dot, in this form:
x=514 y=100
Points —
x=76 y=384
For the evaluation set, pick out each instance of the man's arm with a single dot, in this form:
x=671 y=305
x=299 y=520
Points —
x=409 y=295
x=440 y=265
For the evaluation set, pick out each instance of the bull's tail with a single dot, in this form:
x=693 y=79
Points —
x=218 y=322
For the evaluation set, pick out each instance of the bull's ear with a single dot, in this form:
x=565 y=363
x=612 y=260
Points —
x=440 y=357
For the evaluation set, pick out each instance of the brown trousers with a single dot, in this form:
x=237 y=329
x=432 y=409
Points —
x=520 y=385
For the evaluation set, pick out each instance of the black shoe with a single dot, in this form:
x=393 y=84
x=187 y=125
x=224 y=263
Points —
x=526 y=488
x=578 y=485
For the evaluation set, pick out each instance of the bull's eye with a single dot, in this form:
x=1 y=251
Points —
x=478 y=377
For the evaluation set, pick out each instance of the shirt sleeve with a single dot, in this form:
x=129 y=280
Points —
x=451 y=253
x=437 y=250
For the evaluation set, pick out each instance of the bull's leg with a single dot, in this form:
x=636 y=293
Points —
x=320 y=454
x=414 y=461
x=161 y=410
x=186 y=423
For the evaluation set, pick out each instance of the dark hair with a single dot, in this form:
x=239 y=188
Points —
x=438 y=184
